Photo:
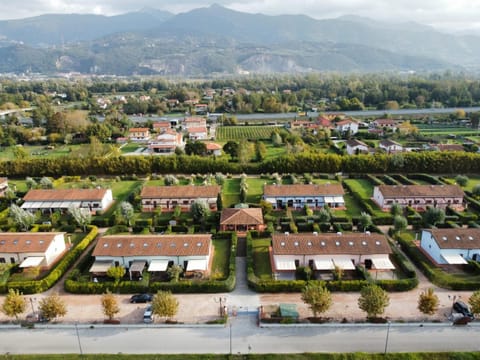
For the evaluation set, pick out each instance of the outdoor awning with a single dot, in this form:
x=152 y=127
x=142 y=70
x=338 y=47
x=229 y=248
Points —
x=32 y=261
x=344 y=264
x=328 y=199
x=383 y=264
x=137 y=266
x=100 y=266
x=27 y=205
x=324 y=264
x=193 y=265
x=454 y=259
x=285 y=265
x=47 y=204
x=338 y=199
x=158 y=265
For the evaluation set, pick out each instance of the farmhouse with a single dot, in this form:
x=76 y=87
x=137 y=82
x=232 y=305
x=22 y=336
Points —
x=242 y=220
x=451 y=246
x=214 y=149
x=168 y=197
x=155 y=253
x=50 y=200
x=347 y=125
x=419 y=196
x=139 y=134
x=194 y=122
x=390 y=146
x=355 y=146
x=31 y=249
x=166 y=142
x=323 y=252
x=197 y=133
x=298 y=195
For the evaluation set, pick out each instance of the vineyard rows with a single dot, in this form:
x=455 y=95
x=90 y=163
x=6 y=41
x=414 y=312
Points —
x=225 y=133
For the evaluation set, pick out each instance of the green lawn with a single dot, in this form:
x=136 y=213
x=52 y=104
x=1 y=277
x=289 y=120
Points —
x=362 y=186
x=230 y=192
x=41 y=152
x=255 y=189
x=220 y=259
x=131 y=147
x=261 y=259
x=274 y=151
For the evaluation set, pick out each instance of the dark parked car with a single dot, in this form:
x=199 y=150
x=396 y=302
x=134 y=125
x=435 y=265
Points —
x=462 y=308
x=141 y=298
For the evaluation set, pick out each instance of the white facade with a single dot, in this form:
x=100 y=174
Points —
x=450 y=249
x=352 y=150
x=51 y=251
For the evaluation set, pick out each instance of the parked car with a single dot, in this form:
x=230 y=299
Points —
x=148 y=315
x=462 y=308
x=141 y=298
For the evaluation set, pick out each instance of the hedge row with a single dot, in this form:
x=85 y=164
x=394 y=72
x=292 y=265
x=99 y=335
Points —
x=276 y=286
x=75 y=286
x=36 y=286
x=435 y=274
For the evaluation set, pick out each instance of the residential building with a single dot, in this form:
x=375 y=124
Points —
x=242 y=220
x=451 y=246
x=214 y=149
x=166 y=142
x=197 y=133
x=347 y=125
x=201 y=108
x=194 y=122
x=168 y=197
x=419 y=196
x=139 y=134
x=154 y=253
x=298 y=195
x=323 y=252
x=50 y=200
x=34 y=249
x=161 y=126
x=355 y=146
x=390 y=146
x=385 y=124
x=448 y=147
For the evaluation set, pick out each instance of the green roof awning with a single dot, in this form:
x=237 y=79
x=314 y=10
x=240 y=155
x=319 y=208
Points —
x=288 y=310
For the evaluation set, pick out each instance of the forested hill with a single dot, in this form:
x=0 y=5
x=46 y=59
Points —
x=219 y=41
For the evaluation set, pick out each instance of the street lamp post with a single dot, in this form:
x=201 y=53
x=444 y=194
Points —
x=222 y=301
x=78 y=338
x=33 y=309
x=230 y=326
x=386 y=339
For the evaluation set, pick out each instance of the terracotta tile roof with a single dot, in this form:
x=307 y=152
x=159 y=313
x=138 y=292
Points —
x=138 y=130
x=331 y=244
x=24 y=242
x=303 y=190
x=346 y=122
x=250 y=216
x=153 y=245
x=162 y=124
x=460 y=238
x=198 y=129
x=421 y=190
x=65 y=194
x=3 y=180
x=382 y=122
x=180 y=192
x=213 y=146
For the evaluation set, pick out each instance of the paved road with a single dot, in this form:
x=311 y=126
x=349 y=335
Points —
x=245 y=337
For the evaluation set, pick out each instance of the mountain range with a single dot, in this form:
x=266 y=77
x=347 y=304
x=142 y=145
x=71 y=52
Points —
x=218 y=41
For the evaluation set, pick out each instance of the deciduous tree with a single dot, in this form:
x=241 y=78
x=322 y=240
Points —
x=116 y=273
x=474 y=301
x=52 y=307
x=317 y=296
x=428 y=302
x=82 y=216
x=22 y=217
x=373 y=300
x=164 y=304
x=14 y=303
x=110 y=305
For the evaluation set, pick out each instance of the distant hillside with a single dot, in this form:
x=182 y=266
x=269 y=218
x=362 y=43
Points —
x=56 y=29
x=216 y=40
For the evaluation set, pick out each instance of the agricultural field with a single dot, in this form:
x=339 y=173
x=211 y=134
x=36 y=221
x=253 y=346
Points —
x=236 y=133
x=41 y=152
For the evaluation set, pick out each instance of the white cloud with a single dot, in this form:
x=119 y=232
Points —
x=446 y=14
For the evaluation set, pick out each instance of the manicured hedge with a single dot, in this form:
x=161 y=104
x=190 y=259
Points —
x=72 y=285
x=433 y=273
x=35 y=286
x=341 y=285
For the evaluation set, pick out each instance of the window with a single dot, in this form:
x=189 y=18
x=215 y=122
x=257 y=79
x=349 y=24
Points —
x=2 y=260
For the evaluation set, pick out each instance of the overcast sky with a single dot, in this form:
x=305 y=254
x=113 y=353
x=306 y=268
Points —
x=451 y=15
